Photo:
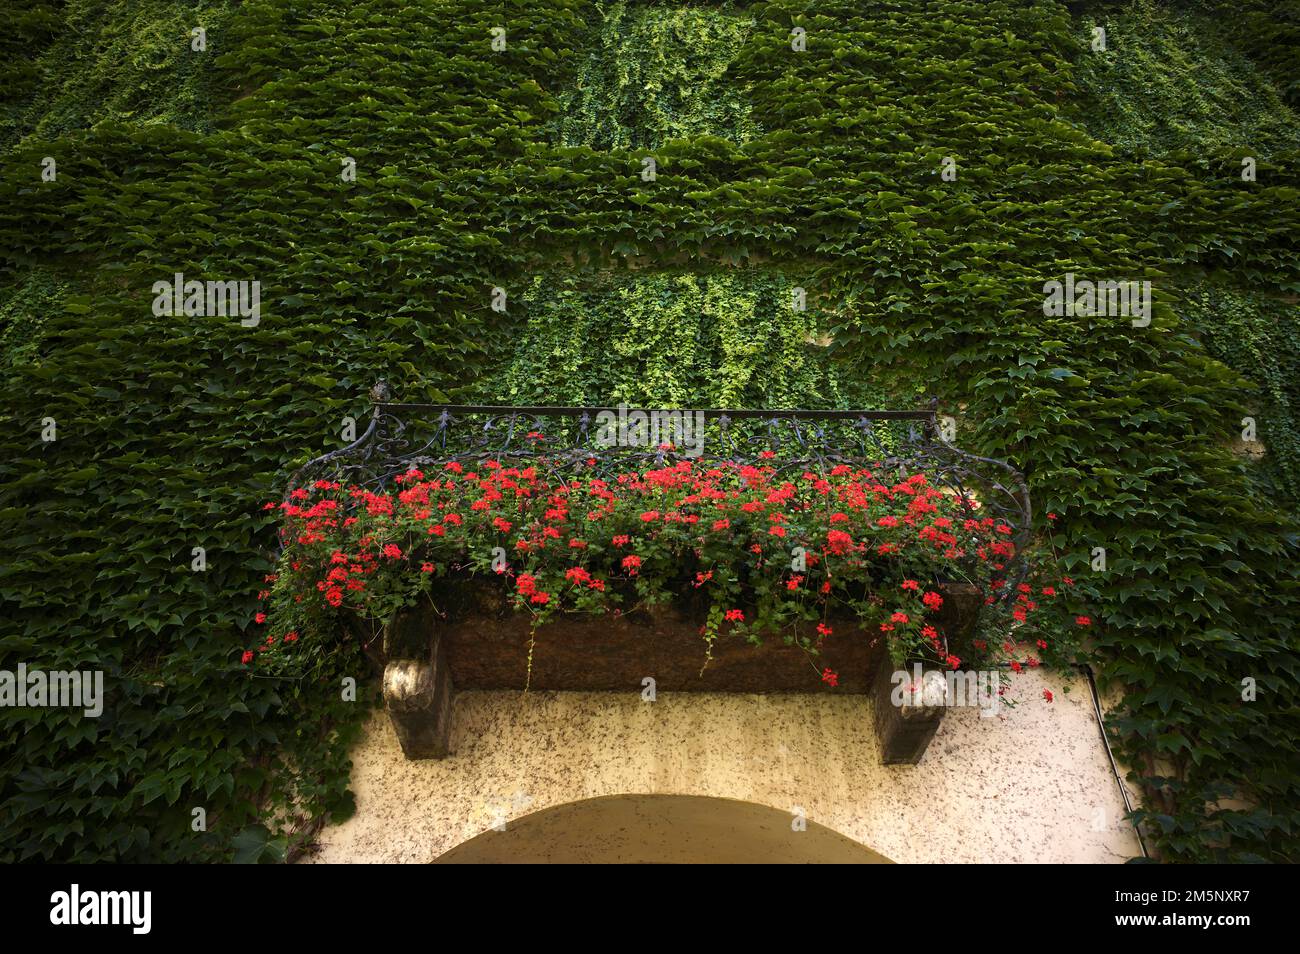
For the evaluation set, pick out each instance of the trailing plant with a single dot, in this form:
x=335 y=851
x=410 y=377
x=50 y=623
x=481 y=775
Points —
x=868 y=549
x=29 y=29
x=1268 y=31
x=89 y=61
x=23 y=308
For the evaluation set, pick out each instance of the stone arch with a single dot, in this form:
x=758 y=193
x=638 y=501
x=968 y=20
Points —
x=658 y=828
x=1033 y=785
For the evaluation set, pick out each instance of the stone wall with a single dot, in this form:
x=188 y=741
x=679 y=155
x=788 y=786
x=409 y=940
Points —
x=1031 y=785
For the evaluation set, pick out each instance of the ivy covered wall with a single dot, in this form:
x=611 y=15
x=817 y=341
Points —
x=658 y=73
x=1170 y=81
x=1172 y=84
x=74 y=64
x=1259 y=335
x=825 y=170
x=721 y=339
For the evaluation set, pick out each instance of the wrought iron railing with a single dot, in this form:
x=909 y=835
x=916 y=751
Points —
x=566 y=440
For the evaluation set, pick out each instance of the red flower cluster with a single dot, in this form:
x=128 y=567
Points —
x=729 y=531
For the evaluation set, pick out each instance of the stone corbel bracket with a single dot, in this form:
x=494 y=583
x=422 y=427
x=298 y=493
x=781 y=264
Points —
x=417 y=687
x=904 y=731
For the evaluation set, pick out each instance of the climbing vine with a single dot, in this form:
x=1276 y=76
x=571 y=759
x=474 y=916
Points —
x=1259 y=336
x=824 y=165
x=657 y=74
x=23 y=308
x=123 y=61
x=721 y=339
x=1169 y=80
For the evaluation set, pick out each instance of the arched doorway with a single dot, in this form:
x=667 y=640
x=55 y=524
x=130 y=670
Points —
x=640 y=829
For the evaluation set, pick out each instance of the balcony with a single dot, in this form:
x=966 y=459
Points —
x=472 y=629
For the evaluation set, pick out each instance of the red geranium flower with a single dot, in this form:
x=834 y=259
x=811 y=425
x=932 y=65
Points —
x=838 y=541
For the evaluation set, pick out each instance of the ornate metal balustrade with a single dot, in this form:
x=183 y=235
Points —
x=607 y=441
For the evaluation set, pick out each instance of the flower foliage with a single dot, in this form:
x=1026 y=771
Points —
x=771 y=550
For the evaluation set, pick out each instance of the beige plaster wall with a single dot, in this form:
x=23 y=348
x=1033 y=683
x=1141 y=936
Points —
x=1031 y=785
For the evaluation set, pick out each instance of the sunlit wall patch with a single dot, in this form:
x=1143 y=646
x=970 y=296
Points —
x=739 y=337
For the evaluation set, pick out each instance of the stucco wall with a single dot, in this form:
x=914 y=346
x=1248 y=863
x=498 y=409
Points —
x=1032 y=785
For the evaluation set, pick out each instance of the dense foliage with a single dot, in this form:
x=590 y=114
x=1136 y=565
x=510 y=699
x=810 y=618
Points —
x=721 y=339
x=76 y=64
x=1268 y=31
x=1170 y=81
x=1259 y=335
x=169 y=428
x=657 y=74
